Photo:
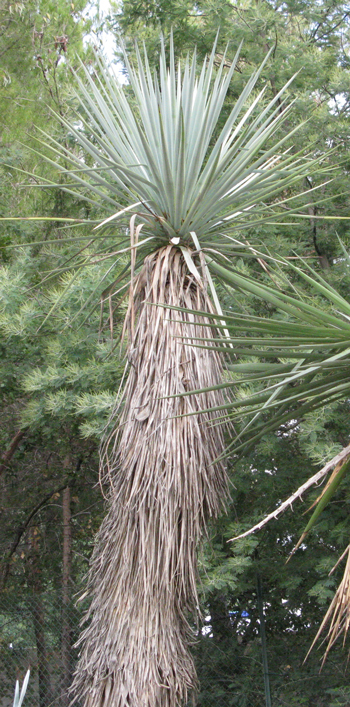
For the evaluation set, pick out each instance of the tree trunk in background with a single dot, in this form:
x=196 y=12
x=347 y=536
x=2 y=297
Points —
x=66 y=639
x=38 y=613
x=7 y=456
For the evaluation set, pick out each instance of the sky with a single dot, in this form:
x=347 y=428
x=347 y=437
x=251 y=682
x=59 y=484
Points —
x=108 y=41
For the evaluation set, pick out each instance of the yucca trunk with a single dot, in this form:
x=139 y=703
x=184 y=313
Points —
x=165 y=483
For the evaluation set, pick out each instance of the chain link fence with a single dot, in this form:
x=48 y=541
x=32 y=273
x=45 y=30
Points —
x=39 y=632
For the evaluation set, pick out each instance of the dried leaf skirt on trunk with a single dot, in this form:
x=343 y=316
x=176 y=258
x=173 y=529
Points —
x=163 y=488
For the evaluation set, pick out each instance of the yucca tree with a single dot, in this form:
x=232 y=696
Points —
x=180 y=188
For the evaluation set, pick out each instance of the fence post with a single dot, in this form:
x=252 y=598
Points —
x=263 y=642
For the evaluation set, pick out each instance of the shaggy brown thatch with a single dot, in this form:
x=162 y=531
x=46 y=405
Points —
x=164 y=487
x=338 y=613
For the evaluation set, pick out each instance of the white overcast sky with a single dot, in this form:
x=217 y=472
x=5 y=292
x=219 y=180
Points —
x=108 y=40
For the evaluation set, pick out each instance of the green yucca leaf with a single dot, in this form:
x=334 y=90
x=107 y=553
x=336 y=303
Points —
x=315 y=340
x=160 y=151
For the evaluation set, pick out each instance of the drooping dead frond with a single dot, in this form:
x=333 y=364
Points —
x=337 y=461
x=338 y=614
x=164 y=485
x=323 y=499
